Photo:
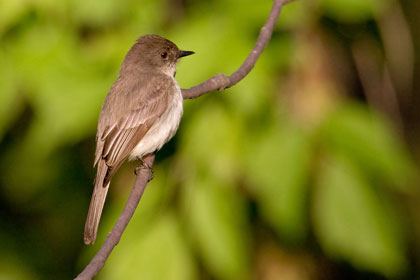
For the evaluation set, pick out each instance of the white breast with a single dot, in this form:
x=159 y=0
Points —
x=162 y=130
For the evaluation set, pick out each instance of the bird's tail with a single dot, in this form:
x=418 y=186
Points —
x=96 y=204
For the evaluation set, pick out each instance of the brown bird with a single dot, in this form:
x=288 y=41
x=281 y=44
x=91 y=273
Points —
x=140 y=114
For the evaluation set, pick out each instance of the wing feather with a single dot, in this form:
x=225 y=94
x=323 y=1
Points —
x=128 y=113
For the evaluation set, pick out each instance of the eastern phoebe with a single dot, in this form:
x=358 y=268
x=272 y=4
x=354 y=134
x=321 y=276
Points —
x=141 y=112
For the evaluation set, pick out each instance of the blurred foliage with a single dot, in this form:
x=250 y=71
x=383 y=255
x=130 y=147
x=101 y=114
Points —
x=304 y=170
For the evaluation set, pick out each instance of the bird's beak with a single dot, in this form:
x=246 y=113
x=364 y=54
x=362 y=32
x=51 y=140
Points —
x=184 y=53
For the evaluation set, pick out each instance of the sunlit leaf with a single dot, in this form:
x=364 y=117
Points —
x=159 y=252
x=10 y=11
x=367 y=139
x=220 y=133
x=9 y=97
x=216 y=220
x=60 y=87
x=279 y=165
x=352 y=10
x=97 y=12
x=13 y=269
x=354 y=223
x=294 y=14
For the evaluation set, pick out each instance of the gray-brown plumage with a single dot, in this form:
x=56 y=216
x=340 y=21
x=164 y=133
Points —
x=140 y=113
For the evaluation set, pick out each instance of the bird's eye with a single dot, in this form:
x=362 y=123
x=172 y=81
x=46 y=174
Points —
x=164 y=54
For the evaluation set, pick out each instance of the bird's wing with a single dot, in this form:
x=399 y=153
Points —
x=127 y=116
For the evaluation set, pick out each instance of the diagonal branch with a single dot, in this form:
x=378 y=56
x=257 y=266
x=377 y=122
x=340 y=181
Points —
x=217 y=82
x=221 y=81
x=143 y=177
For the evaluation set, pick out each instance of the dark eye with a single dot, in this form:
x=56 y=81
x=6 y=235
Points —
x=164 y=54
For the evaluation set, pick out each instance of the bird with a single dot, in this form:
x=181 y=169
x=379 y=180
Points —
x=141 y=113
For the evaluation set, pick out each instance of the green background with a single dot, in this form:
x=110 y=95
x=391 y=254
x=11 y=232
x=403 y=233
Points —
x=306 y=169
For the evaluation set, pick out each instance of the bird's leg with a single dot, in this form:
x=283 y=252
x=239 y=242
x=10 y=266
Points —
x=144 y=166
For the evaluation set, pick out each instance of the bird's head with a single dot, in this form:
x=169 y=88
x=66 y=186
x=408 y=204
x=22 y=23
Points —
x=154 y=53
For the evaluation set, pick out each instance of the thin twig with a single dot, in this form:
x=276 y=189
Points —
x=217 y=82
x=221 y=81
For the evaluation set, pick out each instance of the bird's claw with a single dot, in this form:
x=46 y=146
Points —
x=144 y=166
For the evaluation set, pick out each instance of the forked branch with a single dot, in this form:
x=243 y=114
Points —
x=221 y=81
x=217 y=82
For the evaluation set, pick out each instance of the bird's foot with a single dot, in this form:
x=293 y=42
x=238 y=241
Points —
x=144 y=166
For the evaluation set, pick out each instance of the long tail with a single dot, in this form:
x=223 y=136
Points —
x=96 y=204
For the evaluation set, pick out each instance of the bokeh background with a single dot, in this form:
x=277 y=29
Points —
x=306 y=169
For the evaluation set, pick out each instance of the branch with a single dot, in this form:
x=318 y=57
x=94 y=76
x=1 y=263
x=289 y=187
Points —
x=143 y=177
x=221 y=81
x=217 y=82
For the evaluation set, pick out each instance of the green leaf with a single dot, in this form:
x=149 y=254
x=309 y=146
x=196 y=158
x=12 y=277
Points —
x=294 y=13
x=352 y=10
x=220 y=133
x=366 y=138
x=159 y=252
x=12 y=267
x=279 y=168
x=216 y=218
x=354 y=223
x=8 y=98
x=97 y=12
x=10 y=11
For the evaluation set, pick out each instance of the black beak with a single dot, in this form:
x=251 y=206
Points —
x=184 y=53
